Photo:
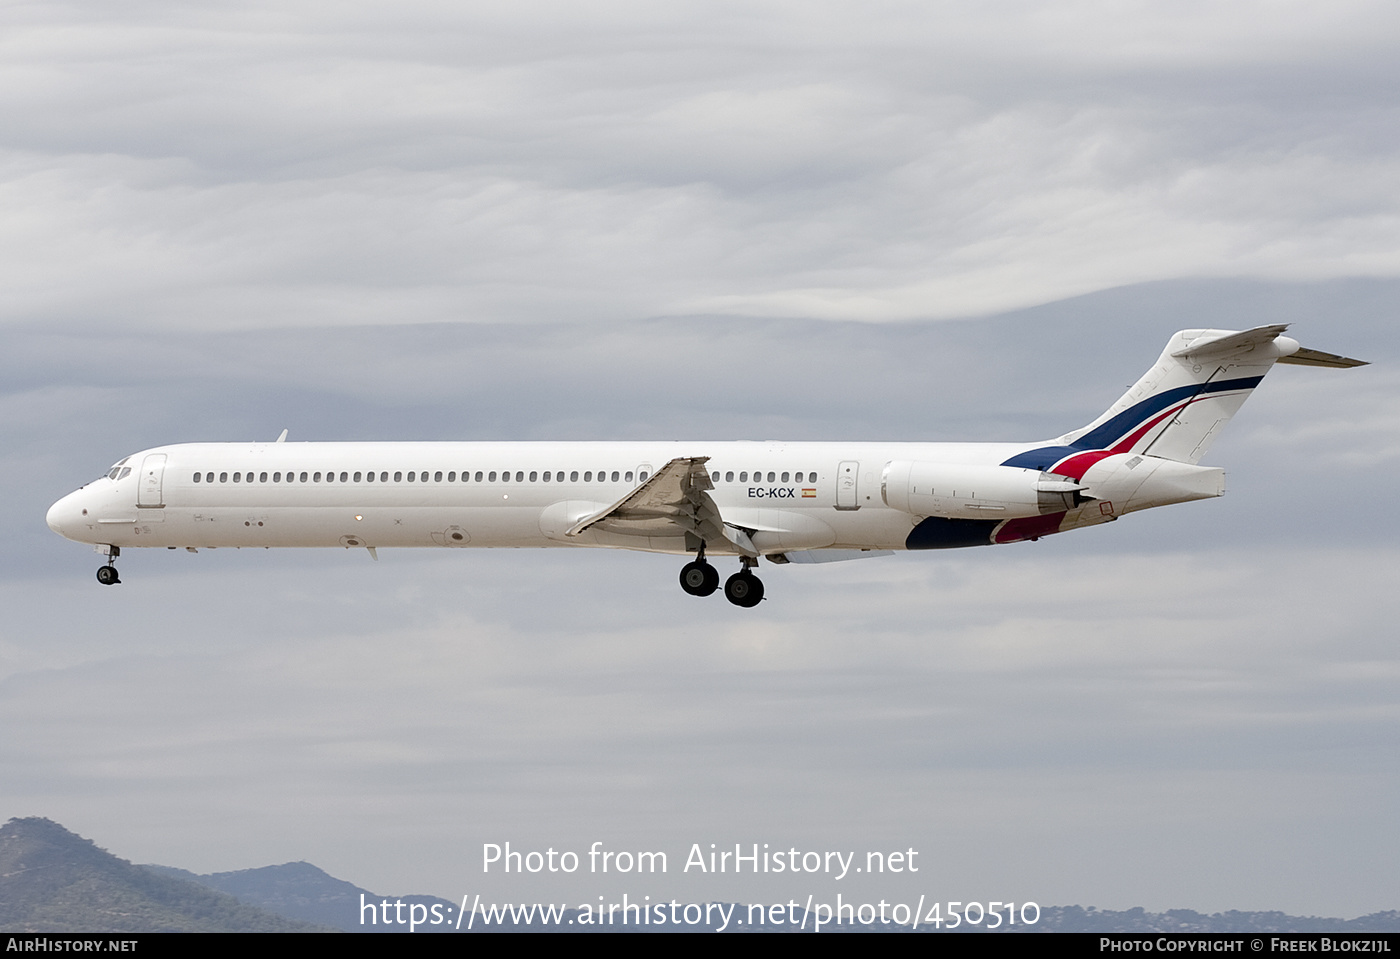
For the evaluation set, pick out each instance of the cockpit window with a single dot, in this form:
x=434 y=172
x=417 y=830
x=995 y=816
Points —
x=126 y=471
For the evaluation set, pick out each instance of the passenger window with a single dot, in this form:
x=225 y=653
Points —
x=546 y=476
x=237 y=477
x=628 y=477
x=437 y=477
x=384 y=477
x=772 y=477
x=223 y=477
x=573 y=477
x=478 y=476
x=643 y=476
x=615 y=476
x=369 y=477
x=588 y=476
x=744 y=477
x=398 y=476
x=785 y=477
x=262 y=477
x=492 y=476
x=451 y=477
x=198 y=477
x=533 y=476
x=714 y=477
x=729 y=476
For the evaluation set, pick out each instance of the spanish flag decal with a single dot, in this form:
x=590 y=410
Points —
x=809 y=493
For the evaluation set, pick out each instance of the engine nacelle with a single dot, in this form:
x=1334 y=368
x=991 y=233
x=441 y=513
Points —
x=965 y=491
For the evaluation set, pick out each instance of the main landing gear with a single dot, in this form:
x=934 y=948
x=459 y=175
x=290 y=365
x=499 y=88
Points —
x=744 y=589
x=699 y=578
x=107 y=575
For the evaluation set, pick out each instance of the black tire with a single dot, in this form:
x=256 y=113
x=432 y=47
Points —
x=744 y=589
x=107 y=575
x=699 y=579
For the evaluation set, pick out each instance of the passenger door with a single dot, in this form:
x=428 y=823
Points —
x=149 y=492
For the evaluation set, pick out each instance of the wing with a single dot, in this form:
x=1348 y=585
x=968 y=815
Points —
x=675 y=499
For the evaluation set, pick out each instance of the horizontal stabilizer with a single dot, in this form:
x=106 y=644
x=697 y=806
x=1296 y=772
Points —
x=1306 y=357
x=1218 y=343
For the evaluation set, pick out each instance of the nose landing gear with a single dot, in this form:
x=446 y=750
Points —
x=107 y=575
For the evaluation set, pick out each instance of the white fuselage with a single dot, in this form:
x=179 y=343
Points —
x=489 y=494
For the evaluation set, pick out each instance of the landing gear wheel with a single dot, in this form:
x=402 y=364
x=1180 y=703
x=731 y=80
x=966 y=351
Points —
x=744 y=589
x=699 y=578
x=107 y=575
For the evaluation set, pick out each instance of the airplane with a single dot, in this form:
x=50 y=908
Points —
x=784 y=502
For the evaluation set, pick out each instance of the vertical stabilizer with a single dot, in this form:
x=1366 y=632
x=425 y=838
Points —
x=1180 y=405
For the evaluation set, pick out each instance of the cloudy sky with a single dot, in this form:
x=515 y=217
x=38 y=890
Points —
x=442 y=221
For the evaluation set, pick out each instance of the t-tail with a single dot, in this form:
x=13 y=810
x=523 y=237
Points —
x=1178 y=407
x=1145 y=449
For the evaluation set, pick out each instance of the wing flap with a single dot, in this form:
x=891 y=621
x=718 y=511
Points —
x=675 y=498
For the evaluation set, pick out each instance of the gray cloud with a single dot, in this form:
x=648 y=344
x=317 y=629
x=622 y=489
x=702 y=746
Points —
x=329 y=167
x=1207 y=685
x=636 y=222
x=1053 y=711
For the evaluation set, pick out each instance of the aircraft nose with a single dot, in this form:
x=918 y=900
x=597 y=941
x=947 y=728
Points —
x=63 y=517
